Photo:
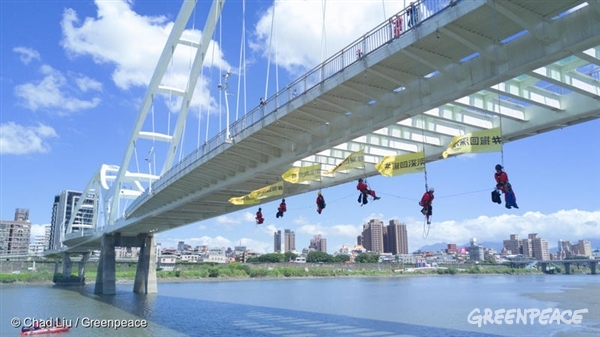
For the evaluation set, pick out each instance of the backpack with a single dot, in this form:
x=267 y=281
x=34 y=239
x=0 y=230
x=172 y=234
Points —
x=496 y=197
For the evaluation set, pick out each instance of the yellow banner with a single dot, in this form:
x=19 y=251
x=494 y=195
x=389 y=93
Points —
x=269 y=191
x=480 y=141
x=392 y=166
x=301 y=174
x=356 y=159
x=245 y=200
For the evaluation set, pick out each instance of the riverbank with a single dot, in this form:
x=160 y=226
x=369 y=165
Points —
x=246 y=272
x=587 y=297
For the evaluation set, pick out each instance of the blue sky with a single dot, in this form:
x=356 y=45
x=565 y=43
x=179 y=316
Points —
x=73 y=74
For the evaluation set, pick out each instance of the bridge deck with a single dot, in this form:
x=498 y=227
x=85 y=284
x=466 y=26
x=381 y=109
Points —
x=421 y=83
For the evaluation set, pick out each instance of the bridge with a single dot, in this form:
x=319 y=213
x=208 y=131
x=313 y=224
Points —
x=545 y=264
x=522 y=66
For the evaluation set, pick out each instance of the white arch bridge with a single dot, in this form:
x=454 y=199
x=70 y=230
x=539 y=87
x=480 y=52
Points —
x=535 y=69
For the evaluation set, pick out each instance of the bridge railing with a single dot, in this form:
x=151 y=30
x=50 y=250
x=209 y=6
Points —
x=371 y=41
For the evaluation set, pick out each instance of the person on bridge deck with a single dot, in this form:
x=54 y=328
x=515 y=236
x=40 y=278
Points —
x=320 y=202
x=281 y=209
x=259 y=217
x=413 y=14
x=502 y=185
x=364 y=191
x=397 y=24
x=263 y=102
x=425 y=202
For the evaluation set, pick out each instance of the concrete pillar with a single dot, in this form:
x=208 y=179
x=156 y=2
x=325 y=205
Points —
x=593 y=267
x=81 y=270
x=67 y=265
x=567 y=267
x=106 y=282
x=544 y=267
x=145 y=275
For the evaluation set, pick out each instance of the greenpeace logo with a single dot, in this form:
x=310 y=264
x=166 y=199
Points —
x=525 y=316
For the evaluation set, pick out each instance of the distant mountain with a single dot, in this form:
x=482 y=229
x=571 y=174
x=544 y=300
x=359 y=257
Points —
x=434 y=247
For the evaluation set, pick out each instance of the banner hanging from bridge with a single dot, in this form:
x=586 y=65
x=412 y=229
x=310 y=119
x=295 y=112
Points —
x=392 y=166
x=354 y=160
x=245 y=200
x=301 y=174
x=269 y=191
x=480 y=141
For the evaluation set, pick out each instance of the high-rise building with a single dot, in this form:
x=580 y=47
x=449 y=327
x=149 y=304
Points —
x=513 y=245
x=539 y=247
x=289 y=238
x=277 y=241
x=526 y=248
x=584 y=248
x=62 y=211
x=476 y=252
x=396 y=238
x=318 y=243
x=451 y=248
x=372 y=236
x=15 y=235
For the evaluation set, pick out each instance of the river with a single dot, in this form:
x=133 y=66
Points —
x=353 y=306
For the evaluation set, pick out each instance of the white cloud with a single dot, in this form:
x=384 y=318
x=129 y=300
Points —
x=37 y=230
x=132 y=43
x=18 y=139
x=85 y=83
x=570 y=225
x=53 y=92
x=565 y=224
x=27 y=54
x=227 y=220
x=299 y=52
x=219 y=241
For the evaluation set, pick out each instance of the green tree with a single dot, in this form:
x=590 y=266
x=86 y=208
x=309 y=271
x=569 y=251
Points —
x=367 y=258
x=289 y=256
x=318 y=256
x=340 y=258
x=271 y=258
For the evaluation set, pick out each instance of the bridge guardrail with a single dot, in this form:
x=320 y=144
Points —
x=354 y=52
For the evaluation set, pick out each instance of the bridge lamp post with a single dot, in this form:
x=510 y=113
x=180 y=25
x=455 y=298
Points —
x=224 y=87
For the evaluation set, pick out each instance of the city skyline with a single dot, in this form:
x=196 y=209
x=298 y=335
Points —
x=64 y=93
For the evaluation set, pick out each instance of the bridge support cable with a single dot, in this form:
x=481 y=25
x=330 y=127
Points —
x=499 y=100
x=269 y=56
x=242 y=65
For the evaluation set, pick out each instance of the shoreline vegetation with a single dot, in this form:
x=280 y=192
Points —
x=238 y=271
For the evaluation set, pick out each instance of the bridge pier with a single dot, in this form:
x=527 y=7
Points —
x=544 y=267
x=593 y=266
x=145 y=275
x=81 y=270
x=567 y=267
x=106 y=278
x=67 y=265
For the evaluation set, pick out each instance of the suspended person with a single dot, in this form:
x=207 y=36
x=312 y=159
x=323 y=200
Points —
x=425 y=202
x=320 y=202
x=502 y=185
x=281 y=209
x=365 y=191
x=259 y=217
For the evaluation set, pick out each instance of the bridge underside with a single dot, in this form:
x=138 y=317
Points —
x=523 y=65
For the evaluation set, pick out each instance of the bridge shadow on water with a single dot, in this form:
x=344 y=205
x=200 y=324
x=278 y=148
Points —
x=198 y=317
